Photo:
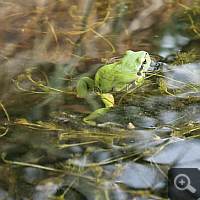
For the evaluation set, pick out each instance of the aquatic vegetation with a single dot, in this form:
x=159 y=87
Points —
x=184 y=57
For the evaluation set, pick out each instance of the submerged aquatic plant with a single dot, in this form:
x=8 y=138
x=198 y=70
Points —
x=184 y=57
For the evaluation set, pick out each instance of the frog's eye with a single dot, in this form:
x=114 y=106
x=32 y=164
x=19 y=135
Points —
x=144 y=62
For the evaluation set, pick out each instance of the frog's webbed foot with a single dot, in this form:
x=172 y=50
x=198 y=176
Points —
x=108 y=100
x=97 y=113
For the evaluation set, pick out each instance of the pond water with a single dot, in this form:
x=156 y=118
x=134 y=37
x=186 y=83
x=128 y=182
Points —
x=47 y=151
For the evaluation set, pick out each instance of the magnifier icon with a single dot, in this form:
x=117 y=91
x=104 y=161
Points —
x=184 y=181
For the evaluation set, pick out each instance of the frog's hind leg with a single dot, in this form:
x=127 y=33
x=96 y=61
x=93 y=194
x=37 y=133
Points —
x=97 y=113
x=108 y=100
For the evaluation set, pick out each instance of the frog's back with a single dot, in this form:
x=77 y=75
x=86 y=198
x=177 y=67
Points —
x=113 y=78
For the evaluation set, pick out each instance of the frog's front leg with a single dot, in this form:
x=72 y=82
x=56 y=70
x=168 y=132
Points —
x=140 y=80
x=82 y=86
x=108 y=100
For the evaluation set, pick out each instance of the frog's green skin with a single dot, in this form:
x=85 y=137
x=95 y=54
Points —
x=114 y=77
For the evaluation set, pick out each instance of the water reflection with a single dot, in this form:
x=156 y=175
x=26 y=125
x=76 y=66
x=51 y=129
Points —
x=46 y=150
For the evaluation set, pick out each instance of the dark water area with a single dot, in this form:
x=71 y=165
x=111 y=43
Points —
x=46 y=150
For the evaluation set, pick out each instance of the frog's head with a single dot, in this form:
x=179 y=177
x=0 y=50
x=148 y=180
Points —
x=137 y=61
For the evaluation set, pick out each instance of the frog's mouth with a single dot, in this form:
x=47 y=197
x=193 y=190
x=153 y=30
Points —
x=140 y=75
x=144 y=62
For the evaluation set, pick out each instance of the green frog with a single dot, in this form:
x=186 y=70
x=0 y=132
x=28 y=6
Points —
x=114 y=77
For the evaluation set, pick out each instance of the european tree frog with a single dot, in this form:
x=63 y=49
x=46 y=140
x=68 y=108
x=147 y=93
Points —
x=112 y=78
